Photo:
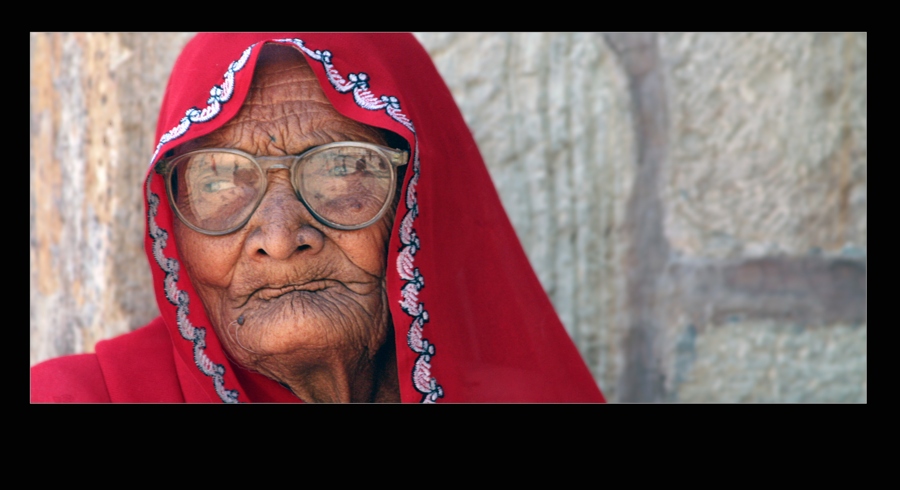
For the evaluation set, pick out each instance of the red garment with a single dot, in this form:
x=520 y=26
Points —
x=472 y=323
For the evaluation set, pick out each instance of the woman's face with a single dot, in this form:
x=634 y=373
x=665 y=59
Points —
x=311 y=298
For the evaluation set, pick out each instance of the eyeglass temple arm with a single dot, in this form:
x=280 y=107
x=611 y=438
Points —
x=398 y=157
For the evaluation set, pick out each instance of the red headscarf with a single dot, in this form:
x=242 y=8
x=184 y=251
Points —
x=471 y=321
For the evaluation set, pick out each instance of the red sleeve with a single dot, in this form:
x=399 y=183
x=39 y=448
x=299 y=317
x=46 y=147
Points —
x=69 y=379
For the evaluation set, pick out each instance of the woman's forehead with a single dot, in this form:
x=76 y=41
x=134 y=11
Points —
x=285 y=112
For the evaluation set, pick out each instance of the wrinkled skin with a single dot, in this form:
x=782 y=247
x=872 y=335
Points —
x=313 y=298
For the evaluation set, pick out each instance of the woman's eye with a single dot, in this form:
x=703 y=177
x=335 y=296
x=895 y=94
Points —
x=217 y=185
x=340 y=171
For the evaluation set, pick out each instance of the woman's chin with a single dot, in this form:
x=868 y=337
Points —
x=302 y=326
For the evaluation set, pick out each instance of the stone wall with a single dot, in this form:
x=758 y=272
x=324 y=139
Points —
x=694 y=204
x=94 y=102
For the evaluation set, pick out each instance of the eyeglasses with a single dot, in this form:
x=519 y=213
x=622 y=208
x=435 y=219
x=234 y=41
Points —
x=346 y=185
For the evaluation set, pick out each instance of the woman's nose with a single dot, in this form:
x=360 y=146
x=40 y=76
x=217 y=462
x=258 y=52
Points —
x=282 y=226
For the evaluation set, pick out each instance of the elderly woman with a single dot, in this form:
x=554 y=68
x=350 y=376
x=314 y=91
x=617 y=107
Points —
x=321 y=227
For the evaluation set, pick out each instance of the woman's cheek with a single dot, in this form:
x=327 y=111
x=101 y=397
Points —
x=367 y=249
x=211 y=260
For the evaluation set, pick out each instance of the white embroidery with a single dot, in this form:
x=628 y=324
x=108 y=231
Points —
x=180 y=299
x=218 y=95
x=359 y=84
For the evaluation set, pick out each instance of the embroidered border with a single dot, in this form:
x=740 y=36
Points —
x=218 y=95
x=358 y=83
x=180 y=299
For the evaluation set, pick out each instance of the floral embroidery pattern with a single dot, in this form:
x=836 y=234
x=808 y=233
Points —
x=218 y=95
x=358 y=84
x=180 y=300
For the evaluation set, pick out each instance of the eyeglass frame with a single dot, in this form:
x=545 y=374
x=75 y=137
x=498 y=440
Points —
x=395 y=157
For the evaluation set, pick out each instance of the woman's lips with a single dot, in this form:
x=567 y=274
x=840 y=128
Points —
x=270 y=293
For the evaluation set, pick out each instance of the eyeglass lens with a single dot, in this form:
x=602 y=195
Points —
x=218 y=191
x=346 y=185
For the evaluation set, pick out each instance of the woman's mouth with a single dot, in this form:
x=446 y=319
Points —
x=269 y=293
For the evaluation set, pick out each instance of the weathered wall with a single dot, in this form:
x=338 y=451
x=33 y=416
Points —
x=551 y=115
x=94 y=102
x=764 y=191
x=694 y=204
